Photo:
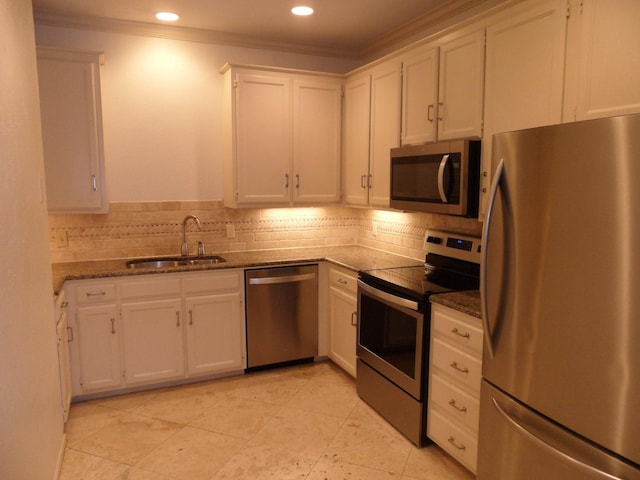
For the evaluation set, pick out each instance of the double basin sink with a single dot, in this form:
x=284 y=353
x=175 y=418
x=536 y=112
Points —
x=169 y=262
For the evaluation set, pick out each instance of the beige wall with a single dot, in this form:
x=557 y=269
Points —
x=31 y=431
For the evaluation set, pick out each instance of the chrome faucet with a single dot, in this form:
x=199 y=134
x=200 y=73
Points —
x=185 y=247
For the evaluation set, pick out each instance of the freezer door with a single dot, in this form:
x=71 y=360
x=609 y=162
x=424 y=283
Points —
x=517 y=443
x=561 y=277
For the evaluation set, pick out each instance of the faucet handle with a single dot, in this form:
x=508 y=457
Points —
x=201 y=249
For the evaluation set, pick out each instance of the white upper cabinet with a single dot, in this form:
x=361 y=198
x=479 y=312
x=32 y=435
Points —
x=442 y=90
x=461 y=87
x=419 y=95
x=524 y=73
x=603 y=64
x=385 y=129
x=317 y=126
x=371 y=128
x=282 y=140
x=263 y=138
x=71 y=113
x=355 y=145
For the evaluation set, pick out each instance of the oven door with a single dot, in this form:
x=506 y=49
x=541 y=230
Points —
x=391 y=337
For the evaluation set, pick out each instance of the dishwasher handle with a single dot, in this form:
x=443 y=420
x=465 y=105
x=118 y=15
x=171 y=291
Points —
x=282 y=279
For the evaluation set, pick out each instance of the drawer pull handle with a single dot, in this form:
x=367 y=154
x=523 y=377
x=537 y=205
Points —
x=455 y=366
x=177 y=319
x=69 y=334
x=190 y=317
x=354 y=319
x=452 y=402
x=455 y=331
x=96 y=294
x=343 y=282
x=113 y=326
x=452 y=441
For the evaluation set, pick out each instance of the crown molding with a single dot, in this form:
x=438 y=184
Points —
x=112 y=25
x=436 y=21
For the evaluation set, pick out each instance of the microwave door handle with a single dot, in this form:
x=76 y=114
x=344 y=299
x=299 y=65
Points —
x=443 y=165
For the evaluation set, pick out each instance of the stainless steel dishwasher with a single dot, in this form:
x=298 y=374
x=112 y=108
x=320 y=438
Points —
x=282 y=314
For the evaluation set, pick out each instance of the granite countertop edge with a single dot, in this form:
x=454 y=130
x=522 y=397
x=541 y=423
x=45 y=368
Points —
x=351 y=257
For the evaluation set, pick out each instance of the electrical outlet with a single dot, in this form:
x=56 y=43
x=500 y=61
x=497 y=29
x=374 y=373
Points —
x=62 y=239
x=231 y=230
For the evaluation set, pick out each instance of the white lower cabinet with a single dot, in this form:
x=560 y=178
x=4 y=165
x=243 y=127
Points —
x=209 y=331
x=454 y=383
x=343 y=317
x=154 y=329
x=96 y=364
x=153 y=340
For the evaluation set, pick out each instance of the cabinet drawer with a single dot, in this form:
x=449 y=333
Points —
x=462 y=406
x=343 y=281
x=454 y=440
x=203 y=283
x=95 y=293
x=465 y=332
x=464 y=368
x=149 y=288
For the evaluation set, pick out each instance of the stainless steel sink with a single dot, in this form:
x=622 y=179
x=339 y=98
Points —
x=170 y=262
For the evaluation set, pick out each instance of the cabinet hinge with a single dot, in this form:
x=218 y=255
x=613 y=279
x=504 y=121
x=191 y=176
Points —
x=235 y=84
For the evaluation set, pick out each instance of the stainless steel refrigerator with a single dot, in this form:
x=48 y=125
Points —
x=560 y=290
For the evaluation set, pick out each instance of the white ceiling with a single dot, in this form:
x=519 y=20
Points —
x=347 y=27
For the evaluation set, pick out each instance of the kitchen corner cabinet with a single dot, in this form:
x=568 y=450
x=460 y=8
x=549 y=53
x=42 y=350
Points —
x=372 y=109
x=71 y=114
x=281 y=137
x=150 y=329
x=343 y=318
x=522 y=42
x=455 y=374
x=442 y=90
x=603 y=65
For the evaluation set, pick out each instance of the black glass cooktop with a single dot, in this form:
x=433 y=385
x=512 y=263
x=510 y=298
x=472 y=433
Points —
x=418 y=282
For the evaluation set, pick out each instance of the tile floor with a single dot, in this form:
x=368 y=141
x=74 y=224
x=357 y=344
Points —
x=301 y=422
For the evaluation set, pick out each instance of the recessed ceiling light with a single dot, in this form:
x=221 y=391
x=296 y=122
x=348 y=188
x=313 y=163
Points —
x=302 y=11
x=167 y=16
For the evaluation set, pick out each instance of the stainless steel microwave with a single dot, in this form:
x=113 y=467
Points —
x=437 y=177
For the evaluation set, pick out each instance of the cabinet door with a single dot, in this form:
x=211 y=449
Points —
x=263 y=138
x=357 y=97
x=215 y=337
x=153 y=340
x=317 y=113
x=603 y=62
x=461 y=87
x=71 y=114
x=523 y=90
x=97 y=343
x=385 y=129
x=343 y=310
x=419 y=96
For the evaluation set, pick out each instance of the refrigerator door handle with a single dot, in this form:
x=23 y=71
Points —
x=484 y=304
x=541 y=443
x=443 y=165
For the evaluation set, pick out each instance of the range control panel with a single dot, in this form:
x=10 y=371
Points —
x=463 y=247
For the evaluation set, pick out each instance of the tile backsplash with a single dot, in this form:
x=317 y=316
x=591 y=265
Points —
x=141 y=229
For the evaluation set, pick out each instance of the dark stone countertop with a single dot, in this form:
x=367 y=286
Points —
x=466 y=302
x=351 y=257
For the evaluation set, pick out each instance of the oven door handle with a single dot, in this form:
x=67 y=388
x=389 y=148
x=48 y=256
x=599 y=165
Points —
x=388 y=297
